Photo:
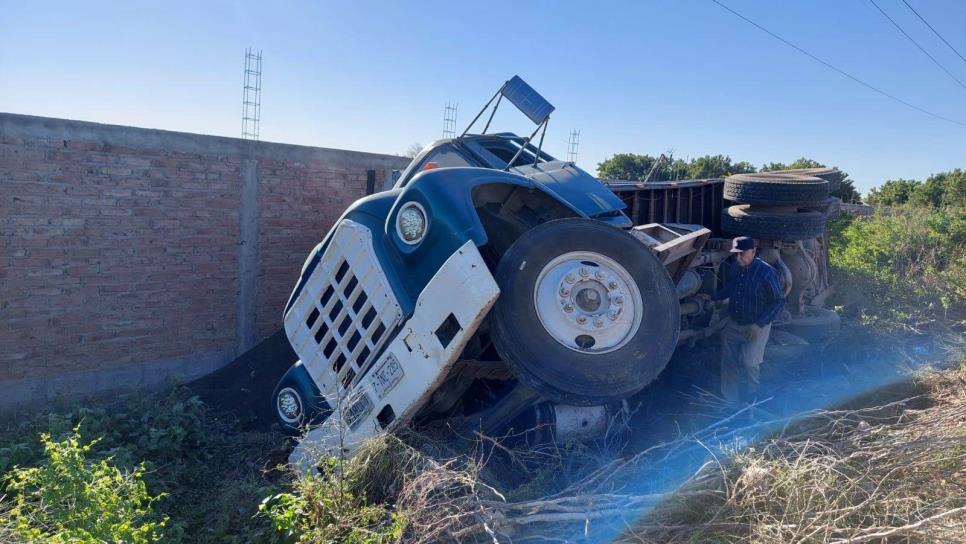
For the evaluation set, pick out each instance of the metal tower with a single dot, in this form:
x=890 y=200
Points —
x=252 y=95
x=449 y=120
x=572 y=143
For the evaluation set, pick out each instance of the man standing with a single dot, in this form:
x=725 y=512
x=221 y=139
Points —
x=755 y=298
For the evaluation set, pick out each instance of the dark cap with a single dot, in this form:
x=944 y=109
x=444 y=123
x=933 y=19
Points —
x=742 y=243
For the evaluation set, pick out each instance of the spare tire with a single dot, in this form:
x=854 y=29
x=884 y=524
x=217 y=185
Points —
x=833 y=176
x=587 y=315
x=775 y=189
x=746 y=221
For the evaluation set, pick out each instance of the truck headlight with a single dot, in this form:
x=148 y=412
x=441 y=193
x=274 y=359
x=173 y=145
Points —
x=411 y=223
x=289 y=406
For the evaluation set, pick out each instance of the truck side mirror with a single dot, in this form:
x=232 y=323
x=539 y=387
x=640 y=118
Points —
x=396 y=174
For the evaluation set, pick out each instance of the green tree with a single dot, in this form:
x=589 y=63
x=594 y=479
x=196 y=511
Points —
x=893 y=192
x=678 y=169
x=627 y=166
x=942 y=189
x=772 y=166
x=635 y=167
x=716 y=166
x=803 y=162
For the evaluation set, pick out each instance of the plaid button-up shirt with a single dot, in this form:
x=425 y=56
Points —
x=754 y=292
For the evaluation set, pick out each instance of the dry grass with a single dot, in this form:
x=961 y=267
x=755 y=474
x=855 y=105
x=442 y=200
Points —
x=888 y=468
x=894 y=473
x=890 y=473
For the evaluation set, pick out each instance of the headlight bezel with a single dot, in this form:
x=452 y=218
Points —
x=399 y=215
x=282 y=410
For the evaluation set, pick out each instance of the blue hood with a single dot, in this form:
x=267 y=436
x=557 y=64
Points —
x=573 y=185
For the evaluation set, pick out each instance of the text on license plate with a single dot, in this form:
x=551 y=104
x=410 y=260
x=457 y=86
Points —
x=387 y=376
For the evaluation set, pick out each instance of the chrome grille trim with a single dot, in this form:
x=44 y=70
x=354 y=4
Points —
x=313 y=326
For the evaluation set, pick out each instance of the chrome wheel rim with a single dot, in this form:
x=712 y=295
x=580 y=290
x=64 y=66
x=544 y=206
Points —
x=588 y=302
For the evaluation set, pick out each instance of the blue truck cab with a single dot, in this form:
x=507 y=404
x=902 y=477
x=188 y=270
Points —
x=489 y=258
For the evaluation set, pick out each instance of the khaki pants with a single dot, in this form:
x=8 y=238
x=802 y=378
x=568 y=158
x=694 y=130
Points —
x=741 y=355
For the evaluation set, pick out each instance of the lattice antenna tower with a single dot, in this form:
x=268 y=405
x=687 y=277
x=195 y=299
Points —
x=449 y=120
x=252 y=95
x=572 y=144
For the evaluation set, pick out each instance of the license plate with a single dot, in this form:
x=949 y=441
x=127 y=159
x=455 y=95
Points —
x=387 y=376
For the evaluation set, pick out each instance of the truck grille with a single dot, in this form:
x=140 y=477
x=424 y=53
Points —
x=345 y=312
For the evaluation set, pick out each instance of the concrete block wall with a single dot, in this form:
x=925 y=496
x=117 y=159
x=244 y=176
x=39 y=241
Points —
x=131 y=256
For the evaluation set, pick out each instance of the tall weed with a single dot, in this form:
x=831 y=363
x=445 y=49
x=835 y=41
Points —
x=329 y=508
x=69 y=498
x=907 y=266
x=207 y=474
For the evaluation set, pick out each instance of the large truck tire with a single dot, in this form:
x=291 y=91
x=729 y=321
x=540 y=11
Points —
x=771 y=189
x=833 y=176
x=746 y=221
x=587 y=315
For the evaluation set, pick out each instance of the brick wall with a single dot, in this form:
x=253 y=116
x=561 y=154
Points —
x=297 y=204
x=129 y=255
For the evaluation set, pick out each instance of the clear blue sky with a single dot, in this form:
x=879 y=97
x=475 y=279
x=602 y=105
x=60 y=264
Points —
x=639 y=77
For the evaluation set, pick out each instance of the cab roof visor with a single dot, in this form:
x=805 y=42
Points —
x=527 y=100
x=521 y=95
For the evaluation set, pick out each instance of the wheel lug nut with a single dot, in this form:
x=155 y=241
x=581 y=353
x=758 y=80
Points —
x=598 y=322
x=599 y=275
x=581 y=319
x=619 y=300
x=564 y=292
x=613 y=316
x=583 y=272
x=570 y=278
x=568 y=307
x=612 y=285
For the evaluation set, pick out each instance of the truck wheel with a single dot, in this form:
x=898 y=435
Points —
x=746 y=221
x=833 y=176
x=587 y=314
x=775 y=189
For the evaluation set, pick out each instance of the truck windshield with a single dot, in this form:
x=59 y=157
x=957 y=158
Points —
x=503 y=149
x=447 y=157
x=444 y=156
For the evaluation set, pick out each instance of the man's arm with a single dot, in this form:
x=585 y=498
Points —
x=725 y=292
x=774 y=297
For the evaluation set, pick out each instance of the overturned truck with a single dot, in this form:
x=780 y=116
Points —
x=494 y=281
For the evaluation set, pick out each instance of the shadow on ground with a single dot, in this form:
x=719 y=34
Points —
x=244 y=386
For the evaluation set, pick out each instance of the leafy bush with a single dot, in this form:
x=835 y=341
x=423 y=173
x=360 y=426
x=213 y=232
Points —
x=329 y=508
x=908 y=265
x=68 y=498
x=204 y=470
x=945 y=189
